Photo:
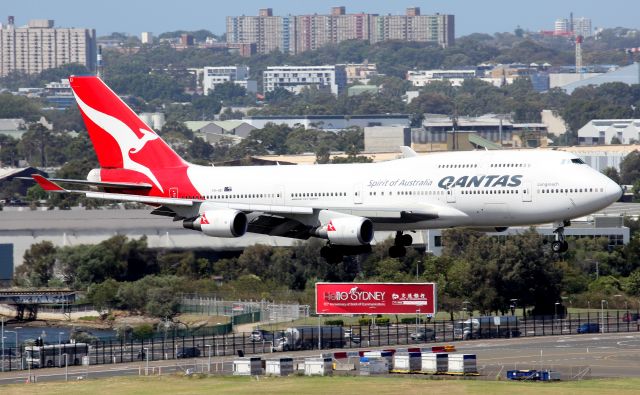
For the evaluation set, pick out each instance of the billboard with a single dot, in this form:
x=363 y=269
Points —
x=376 y=298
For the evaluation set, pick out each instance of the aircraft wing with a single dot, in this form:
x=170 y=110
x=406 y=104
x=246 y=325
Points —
x=273 y=220
x=173 y=204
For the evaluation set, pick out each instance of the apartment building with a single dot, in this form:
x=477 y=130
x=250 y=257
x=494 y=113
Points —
x=296 y=78
x=213 y=76
x=40 y=46
x=299 y=33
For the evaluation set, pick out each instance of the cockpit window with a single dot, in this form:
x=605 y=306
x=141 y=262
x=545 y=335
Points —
x=578 y=161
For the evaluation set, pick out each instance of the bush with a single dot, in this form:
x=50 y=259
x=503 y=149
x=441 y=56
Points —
x=409 y=320
x=334 y=322
x=383 y=321
x=143 y=331
x=364 y=321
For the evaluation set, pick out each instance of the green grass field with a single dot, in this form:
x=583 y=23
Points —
x=405 y=385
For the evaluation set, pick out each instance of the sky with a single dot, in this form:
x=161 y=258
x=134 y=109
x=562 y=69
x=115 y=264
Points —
x=157 y=16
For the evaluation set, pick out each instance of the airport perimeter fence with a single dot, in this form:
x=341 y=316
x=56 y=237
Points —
x=267 y=311
x=211 y=344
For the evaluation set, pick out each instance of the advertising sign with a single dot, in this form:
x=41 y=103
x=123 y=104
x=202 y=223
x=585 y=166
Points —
x=376 y=298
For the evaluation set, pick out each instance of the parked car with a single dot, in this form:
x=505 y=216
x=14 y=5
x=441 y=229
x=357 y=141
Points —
x=630 y=317
x=423 y=334
x=260 y=335
x=589 y=327
x=188 y=352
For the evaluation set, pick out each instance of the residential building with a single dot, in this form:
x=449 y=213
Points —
x=582 y=27
x=299 y=33
x=455 y=77
x=213 y=76
x=146 y=38
x=268 y=32
x=562 y=26
x=438 y=28
x=40 y=46
x=296 y=78
x=360 y=72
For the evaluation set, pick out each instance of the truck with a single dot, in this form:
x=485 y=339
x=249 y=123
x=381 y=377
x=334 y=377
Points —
x=306 y=338
x=486 y=327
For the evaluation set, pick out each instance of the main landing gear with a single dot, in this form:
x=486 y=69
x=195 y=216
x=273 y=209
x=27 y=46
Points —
x=398 y=249
x=560 y=244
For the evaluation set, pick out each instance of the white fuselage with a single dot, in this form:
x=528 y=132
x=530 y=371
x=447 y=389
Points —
x=473 y=188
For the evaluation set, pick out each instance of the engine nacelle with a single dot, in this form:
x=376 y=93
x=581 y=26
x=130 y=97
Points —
x=348 y=231
x=490 y=229
x=219 y=223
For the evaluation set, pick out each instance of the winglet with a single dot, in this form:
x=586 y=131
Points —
x=46 y=184
x=408 y=152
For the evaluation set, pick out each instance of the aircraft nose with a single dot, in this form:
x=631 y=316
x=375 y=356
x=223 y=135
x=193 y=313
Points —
x=613 y=191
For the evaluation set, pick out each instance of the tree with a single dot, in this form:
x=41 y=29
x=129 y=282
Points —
x=38 y=263
x=630 y=168
x=612 y=173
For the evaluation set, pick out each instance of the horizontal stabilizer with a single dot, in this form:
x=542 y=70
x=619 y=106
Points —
x=47 y=184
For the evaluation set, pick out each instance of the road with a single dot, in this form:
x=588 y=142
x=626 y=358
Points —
x=597 y=355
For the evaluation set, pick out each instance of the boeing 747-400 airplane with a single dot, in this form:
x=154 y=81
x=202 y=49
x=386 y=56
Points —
x=345 y=203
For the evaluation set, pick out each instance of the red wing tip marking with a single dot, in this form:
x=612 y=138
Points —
x=46 y=184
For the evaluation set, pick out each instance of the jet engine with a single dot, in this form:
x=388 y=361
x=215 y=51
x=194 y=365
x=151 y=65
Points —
x=219 y=223
x=348 y=231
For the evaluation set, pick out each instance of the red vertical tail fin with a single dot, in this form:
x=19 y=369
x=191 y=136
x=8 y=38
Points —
x=122 y=141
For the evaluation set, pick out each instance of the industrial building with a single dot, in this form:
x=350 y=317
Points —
x=330 y=122
x=40 y=46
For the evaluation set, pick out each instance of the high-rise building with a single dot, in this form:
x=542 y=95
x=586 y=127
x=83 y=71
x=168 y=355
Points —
x=40 y=46
x=561 y=26
x=299 y=33
x=146 y=38
x=296 y=78
x=582 y=27
x=268 y=32
x=438 y=28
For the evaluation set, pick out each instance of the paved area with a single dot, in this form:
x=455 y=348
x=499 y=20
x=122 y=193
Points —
x=602 y=355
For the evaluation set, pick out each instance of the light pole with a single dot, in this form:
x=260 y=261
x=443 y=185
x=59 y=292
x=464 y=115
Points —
x=146 y=353
x=2 y=335
x=418 y=322
x=66 y=367
x=417 y=269
x=60 y=347
x=17 y=347
x=209 y=351
x=555 y=316
x=602 y=302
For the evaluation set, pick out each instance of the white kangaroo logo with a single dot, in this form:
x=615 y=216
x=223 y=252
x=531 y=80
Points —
x=126 y=138
x=353 y=290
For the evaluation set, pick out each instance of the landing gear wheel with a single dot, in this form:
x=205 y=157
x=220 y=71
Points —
x=331 y=254
x=397 y=251
x=407 y=240
x=560 y=244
